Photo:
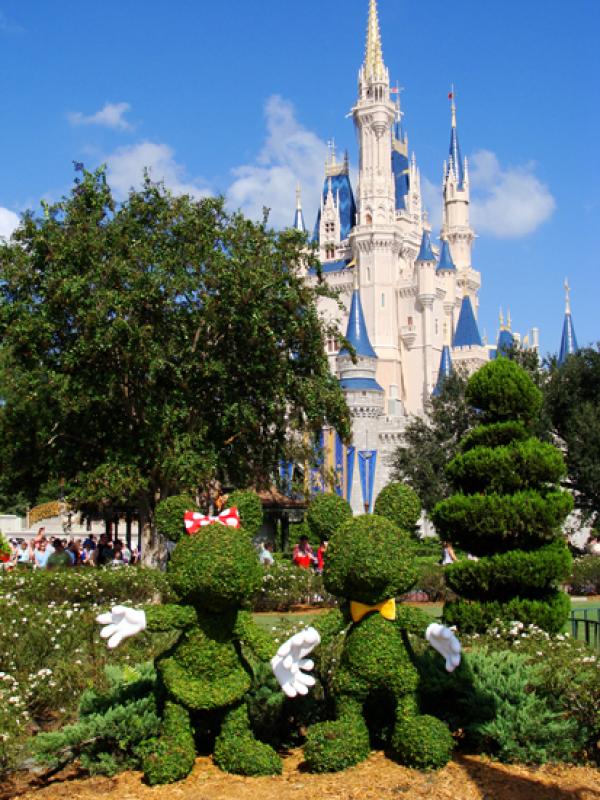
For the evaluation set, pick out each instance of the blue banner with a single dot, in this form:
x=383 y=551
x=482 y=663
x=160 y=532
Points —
x=367 y=461
x=349 y=470
x=317 y=483
x=286 y=473
x=339 y=466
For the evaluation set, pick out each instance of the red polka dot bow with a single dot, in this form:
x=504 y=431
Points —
x=194 y=521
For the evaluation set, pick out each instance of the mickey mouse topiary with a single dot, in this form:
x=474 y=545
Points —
x=205 y=676
x=368 y=563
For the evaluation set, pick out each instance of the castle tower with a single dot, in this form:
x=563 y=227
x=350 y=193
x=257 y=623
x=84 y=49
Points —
x=568 y=342
x=365 y=399
x=376 y=238
x=425 y=267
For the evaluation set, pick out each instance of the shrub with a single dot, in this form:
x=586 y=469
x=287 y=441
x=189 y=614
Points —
x=501 y=576
x=326 y=513
x=494 y=435
x=504 y=392
x=285 y=585
x=369 y=559
x=506 y=469
x=171 y=757
x=4 y=547
x=169 y=515
x=399 y=503
x=549 y=613
x=249 y=505
x=237 y=751
x=525 y=727
x=508 y=510
x=487 y=523
x=110 y=726
x=431 y=579
x=86 y=586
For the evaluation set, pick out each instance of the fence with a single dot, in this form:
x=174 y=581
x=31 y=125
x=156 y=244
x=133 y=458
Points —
x=585 y=625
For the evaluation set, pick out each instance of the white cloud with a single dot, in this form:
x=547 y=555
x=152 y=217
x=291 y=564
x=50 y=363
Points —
x=291 y=154
x=9 y=221
x=507 y=203
x=111 y=115
x=127 y=164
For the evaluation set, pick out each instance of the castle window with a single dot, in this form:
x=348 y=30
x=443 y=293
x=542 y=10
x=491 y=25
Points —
x=330 y=252
x=410 y=322
x=369 y=219
x=382 y=300
x=437 y=327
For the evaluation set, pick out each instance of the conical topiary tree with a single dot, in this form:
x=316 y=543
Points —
x=508 y=510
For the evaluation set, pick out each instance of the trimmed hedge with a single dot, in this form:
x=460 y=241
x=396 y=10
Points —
x=326 y=514
x=504 y=392
x=422 y=742
x=484 y=524
x=508 y=510
x=506 y=469
x=469 y=616
x=334 y=746
x=399 y=503
x=494 y=435
x=504 y=575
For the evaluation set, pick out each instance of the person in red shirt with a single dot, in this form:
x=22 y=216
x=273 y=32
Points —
x=303 y=555
x=321 y=555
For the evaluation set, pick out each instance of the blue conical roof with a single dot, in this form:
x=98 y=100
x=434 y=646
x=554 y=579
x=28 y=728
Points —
x=357 y=333
x=568 y=342
x=467 y=332
x=505 y=342
x=445 y=370
x=446 y=261
x=456 y=161
x=299 y=221
x=425 y=253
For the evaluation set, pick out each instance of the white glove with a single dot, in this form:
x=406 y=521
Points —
x=445 y=642
x=121 y=622
x=291 y=659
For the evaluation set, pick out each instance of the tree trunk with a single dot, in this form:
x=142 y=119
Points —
x=154 y=546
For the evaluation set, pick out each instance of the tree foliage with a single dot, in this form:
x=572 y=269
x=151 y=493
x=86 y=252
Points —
x=150 y=347
x=572 y=396
x=431 y=441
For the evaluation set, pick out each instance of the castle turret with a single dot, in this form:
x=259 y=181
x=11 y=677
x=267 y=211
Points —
x=456 y=228
x=365 y=399
x=568 y=342
x=425 y=265
x=467 y=331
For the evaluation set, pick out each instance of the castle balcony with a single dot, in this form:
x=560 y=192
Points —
x=408 y=334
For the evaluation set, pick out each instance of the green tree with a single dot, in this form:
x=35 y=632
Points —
x=431 y=441
x=150 y=347
x=508 y=510
x=572 y=395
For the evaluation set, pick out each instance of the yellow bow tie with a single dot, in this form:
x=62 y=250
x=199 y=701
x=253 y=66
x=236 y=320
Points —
x=387 y=609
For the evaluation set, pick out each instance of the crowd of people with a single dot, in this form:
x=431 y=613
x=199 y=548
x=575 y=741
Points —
x=43 y=552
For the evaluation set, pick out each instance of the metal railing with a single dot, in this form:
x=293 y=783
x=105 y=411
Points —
x=585 y=625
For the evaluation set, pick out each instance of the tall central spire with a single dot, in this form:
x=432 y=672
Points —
x=374 y=66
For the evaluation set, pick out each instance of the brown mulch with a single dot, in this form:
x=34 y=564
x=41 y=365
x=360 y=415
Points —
x=378 y=778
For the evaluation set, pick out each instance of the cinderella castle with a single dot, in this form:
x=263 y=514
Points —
x=411 y=306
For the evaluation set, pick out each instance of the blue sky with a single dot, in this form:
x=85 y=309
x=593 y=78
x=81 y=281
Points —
x=241 y=97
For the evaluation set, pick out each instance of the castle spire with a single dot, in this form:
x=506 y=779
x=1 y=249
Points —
x=299 y=216
x=568 y=343
x=456 y=163
x=356 y=332
x=445 y=370
x=374 y=67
